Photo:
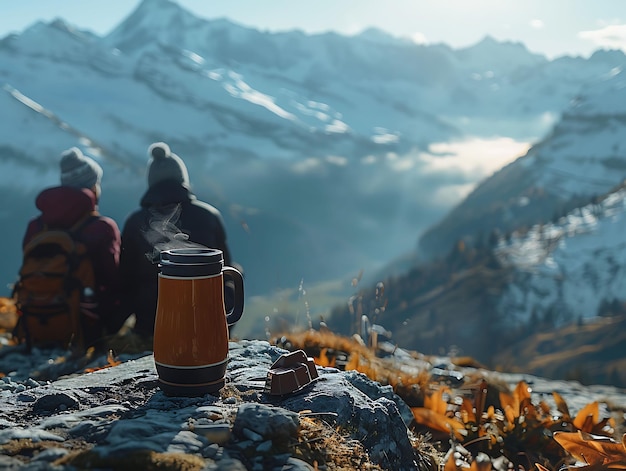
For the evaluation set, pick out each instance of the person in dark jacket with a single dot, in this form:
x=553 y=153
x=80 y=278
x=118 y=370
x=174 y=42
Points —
x=170 y=217
x=62 y=207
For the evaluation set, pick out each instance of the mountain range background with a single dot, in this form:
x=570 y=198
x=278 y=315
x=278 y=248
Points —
x=330 y=158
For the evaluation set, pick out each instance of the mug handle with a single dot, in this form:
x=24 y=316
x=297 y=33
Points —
x=235 y=313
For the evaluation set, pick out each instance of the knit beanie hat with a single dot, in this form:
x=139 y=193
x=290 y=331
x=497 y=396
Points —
x=165 y=165
x=78 y=170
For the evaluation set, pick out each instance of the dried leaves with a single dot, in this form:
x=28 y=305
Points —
x=8 y=314
x=434 y=414
x=487 y=427
x=523 y=432
x=597 y=452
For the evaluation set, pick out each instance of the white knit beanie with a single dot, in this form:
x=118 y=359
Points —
x=78 y=170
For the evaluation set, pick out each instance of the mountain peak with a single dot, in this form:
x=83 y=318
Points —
x=56 y=38
x=489 y=43
x=379 y=36
x=376 y=35
x=152 y=21
x=57 y=25
x=491 y=53
x=488 y=40
x=155 y=5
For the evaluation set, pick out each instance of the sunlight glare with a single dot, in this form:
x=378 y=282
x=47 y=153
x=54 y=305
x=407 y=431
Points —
x=536 y=24
x=419 y=38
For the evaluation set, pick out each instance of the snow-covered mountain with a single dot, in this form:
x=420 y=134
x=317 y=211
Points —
x=582 y=158
x=310 y=145
x=566 y=270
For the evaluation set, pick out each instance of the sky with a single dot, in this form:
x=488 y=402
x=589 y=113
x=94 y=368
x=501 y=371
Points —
x=550 y=27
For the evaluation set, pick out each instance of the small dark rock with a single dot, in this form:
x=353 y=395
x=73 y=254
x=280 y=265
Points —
x=271 y=423
x=52 y=402
x=23 y=397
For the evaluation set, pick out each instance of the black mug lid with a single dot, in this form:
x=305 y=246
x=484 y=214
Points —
x=191 y=262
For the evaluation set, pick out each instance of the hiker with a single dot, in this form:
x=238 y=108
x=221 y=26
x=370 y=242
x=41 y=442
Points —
x=170 y=217
x=74 y=206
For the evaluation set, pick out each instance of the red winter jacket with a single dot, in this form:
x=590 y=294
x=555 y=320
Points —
x=62 y=207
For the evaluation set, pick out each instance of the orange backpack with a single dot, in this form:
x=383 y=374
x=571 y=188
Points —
x=55 y=277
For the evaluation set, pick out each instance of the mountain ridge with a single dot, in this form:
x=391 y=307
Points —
x=312 y=146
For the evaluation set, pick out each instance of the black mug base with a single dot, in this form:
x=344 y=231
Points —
x=191 y=381
x=191 y=390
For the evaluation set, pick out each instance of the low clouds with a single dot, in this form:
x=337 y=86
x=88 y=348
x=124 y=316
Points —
x=536 y=24
x=475 y=157
x=609 y=37
x=471 y=160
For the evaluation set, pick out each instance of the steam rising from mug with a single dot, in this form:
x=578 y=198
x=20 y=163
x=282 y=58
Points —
x=164 y=234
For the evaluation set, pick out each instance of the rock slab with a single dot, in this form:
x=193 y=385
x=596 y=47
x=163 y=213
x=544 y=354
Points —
x=119 y=412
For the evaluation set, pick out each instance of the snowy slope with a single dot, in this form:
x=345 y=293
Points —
x=565 y=270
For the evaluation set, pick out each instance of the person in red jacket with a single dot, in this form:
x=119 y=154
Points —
x=63 y=206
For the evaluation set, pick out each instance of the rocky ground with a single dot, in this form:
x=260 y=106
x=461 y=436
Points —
x=382 y=408
x=117 y=418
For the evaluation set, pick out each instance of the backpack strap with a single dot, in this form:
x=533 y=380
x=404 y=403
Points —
x=42 y=226
x=84 y=221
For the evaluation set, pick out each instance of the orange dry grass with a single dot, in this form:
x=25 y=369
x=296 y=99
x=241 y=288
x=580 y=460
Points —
x=8 y=314
x=111 y=361
x=326 y=348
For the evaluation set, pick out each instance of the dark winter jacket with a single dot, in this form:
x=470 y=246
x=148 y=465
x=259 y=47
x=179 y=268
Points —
x=62 y=207
x=170 y=217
